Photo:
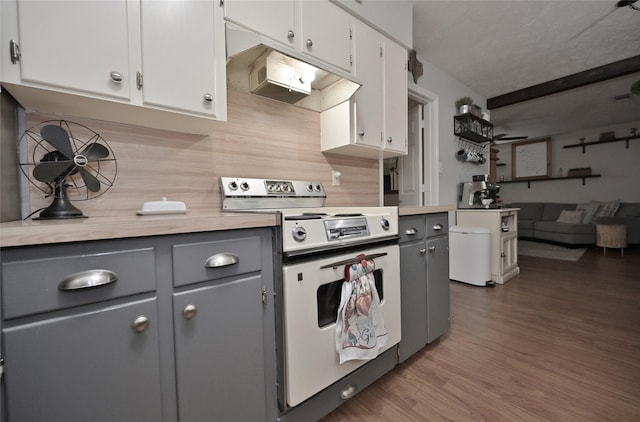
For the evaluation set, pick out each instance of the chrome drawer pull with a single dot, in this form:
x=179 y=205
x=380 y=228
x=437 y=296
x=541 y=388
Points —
x=438 y=227
x=221 y=260
x=116 y=77
x=88 y=279
x=411 y=231
x=432 y=249
x=349 y=392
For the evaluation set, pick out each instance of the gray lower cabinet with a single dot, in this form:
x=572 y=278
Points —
x=171 y=336
x=89 y=366
x=424 y=277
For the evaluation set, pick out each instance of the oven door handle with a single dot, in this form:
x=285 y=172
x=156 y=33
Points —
x=353 y=260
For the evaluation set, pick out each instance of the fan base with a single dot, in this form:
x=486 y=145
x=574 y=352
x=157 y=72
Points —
x=60 y=208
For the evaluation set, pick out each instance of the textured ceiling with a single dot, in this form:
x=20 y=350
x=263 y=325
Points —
x=496 y=47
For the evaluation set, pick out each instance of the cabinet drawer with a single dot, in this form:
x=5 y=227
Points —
x=411 y=227
x=437 y=224
x=196 y=262
x=33 y=286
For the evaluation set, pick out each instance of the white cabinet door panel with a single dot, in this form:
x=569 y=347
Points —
x=395 y=98
x=369 y=97
x=178 y=55
x=271 y=18
x=75 y=45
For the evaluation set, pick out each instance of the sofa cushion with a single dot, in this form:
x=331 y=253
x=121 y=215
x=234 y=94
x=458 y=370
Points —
x=628 y=209
x=567 y=228
x=552 y=210
x=608 y=209
x=529 y=210
x=571 y=217
x=589 y=210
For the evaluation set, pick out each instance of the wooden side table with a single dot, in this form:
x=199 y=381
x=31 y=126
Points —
x=611 y=236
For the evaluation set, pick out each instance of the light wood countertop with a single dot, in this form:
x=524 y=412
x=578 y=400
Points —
x=425 y=210
x=39 y=232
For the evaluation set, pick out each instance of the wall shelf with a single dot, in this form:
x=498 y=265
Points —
x=472 y=128
x=583 y=144
x=546 y=179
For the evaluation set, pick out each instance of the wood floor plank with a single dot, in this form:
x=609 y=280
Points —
x=560 y=342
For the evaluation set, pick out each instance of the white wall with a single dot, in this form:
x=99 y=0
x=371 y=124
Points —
x=452 y=170
x=619 y=169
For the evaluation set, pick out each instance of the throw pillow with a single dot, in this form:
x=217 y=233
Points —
x=608 y=209
x=589 y=210
x=573 y=217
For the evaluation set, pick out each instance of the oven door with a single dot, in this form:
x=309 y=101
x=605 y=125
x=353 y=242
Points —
x=311 y=297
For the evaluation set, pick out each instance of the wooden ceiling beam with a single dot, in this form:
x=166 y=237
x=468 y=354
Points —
x=587 y=77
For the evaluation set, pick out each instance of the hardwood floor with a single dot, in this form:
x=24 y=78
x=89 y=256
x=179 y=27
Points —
x=560 y=342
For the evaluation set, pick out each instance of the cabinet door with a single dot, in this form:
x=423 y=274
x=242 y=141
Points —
x=437 y=287
x=326 y=33
x=413 y=279
x=509 y=254
x=272 y=18
x=89 y=366
x=220 y=366
x=395 y=99
x=368 y=99
x=76 y=45
x=179 y=56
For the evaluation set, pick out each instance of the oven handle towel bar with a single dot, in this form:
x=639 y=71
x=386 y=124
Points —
x=355 y=260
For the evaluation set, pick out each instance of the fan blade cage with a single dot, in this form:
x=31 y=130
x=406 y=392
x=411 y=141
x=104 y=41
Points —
x=58 y=153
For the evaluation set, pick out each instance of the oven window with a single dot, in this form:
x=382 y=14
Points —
x=328 y=296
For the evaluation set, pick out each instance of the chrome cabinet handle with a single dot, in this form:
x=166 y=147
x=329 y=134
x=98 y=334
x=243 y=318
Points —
x=348 y=392
x=140 y=324
x=208 y=97
x=189 y=311
x=502 y=255
x=432 y=249
x=389 y=139
x=221 y=260
x=309 y=42
x=87 y=280
x=290 y=34
x=411 y=231
x=422 y=251
x=438 y=227
x=117 y=77
x=361 y=132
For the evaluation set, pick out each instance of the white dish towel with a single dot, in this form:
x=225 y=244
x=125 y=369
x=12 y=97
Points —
x=360 y=328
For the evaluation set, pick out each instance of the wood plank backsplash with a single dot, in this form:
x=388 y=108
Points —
x=262 y=138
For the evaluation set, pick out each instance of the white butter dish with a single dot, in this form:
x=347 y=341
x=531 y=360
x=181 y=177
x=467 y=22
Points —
x=163 y=207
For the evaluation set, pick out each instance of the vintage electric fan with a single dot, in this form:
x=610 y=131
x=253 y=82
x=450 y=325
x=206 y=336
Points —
x=66 y=161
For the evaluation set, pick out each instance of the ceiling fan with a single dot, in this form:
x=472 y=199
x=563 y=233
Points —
x=502 y=138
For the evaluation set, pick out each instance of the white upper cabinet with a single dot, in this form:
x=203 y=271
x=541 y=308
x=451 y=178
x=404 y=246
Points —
x=179 y=55
x=395 y=100
x=374 y=123
x=272 y=18
x=326 y=33
x=75 y=45
x=317 y=28
x=368 y=99
x=156 y=63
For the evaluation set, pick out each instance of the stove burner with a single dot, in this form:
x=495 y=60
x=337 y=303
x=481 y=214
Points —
x=304 y=217
x=349 y=215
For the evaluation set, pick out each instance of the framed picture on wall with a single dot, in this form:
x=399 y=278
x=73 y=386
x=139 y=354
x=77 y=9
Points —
x=531 y=159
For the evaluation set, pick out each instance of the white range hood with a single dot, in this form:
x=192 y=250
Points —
x=264 y=67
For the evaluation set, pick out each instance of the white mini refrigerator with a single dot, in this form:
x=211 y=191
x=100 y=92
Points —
x=469 y=255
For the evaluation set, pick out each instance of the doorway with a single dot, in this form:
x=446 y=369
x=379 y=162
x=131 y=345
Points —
x=413 y=179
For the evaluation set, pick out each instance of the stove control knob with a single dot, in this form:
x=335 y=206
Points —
x=286 y=188
x=244 y=186
x=299 y=233
x=310 y=187
x=233 y=185
x=271 y=187
x=385 y=223
x=318 y=188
